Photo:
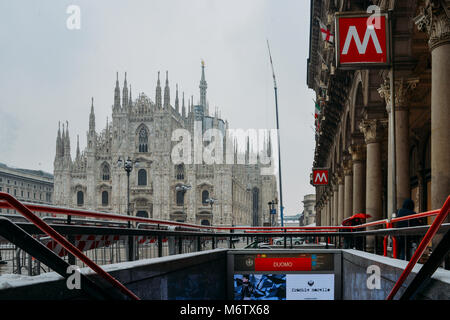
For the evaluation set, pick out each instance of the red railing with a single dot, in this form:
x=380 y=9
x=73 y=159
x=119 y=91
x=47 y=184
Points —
x=282 y=230
x=443 y=213
x=38 y=222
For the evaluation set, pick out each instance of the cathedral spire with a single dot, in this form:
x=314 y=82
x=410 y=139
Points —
x=125 y=93
x=59 y=149
x=177 y=103
x=158 y=94
x=67 y=141
x=91 y=117
x=117 y=93
x=183 y=108
x=63 y=140
x=203 y=86
x=130 y=101
x=167 y=92
x=78 y=146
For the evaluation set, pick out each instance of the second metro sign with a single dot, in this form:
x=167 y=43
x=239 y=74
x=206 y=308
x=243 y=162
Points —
x=362 y=40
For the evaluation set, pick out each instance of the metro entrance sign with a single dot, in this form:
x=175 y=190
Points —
x=362 y=40
x=320 y=177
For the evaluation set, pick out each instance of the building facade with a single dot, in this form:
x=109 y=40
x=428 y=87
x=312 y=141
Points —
x=353 y=124
x=26 y=185
x=309 y=212
x=142 y=130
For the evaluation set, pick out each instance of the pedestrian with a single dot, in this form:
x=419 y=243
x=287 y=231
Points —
x=403 y=242
x=358 y=241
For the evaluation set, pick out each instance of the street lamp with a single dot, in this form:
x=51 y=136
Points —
x=128 y=167
x=211 y=201
x=183 y=188
x=272 y=211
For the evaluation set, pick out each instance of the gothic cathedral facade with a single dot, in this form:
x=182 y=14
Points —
x=217 y=194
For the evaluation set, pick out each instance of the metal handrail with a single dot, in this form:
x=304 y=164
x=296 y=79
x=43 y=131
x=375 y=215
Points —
x=38 y=222
x=114 y=216
x=443 y=213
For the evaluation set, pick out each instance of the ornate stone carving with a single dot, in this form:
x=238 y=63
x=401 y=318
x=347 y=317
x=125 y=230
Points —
x=402 y=92
x=434 y=20
x=347 y=166
x=372 y=129
x=358 y=152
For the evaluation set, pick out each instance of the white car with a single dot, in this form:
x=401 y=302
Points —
x=295 y=241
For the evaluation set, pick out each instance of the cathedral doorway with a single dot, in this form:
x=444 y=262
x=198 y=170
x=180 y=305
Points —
x=142 y=214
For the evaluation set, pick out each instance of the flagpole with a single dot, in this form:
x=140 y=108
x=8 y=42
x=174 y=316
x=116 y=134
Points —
x=278 y=135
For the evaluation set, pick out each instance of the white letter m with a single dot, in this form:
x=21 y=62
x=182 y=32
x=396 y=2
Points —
x=362 y=47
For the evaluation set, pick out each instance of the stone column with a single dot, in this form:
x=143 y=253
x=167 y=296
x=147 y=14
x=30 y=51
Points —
x=335 y=205
x=372 y=130
x=318 y=212
x=402 y=92
x=436 y=22
x=348 y=189
x=341 y=188
x=329 y=204
x=358 y=152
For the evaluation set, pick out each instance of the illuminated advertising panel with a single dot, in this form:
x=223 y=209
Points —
x=284 y=275
x=284 y=287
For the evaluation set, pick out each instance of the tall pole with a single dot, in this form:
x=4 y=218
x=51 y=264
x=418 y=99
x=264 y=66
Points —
x=278 y=135
x=392 y=94
x=128 y=197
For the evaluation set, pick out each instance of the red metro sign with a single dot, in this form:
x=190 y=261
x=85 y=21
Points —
x=320 y=177
x=362 y=40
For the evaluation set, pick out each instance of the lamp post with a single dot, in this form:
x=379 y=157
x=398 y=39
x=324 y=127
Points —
x=211 y=201
x=183 y=188
x=272 y=211
x=127 y=165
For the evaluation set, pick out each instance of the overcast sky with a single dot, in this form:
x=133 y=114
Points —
x=48 y=73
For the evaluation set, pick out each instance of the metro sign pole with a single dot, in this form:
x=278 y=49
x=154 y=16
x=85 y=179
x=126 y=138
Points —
x=364 y=41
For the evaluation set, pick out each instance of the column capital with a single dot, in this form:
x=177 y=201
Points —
x=372 y=129
x=347 y=166
x=340 y=176
x=358 y=152
x=434 y=19
x=402 y=90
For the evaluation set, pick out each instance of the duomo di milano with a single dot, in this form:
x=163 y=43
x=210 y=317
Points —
x=142 y=131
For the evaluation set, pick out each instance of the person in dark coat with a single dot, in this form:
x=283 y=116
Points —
x=358 y=242
x=403 y=242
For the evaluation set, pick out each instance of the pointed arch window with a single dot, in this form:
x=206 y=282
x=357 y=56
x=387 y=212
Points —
x=142 y=177
x=143 y=140
x=179 y=172
x=180 y=198
x=205 y=196
x=80 y=198
x=105 y=198
x=105 y=172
